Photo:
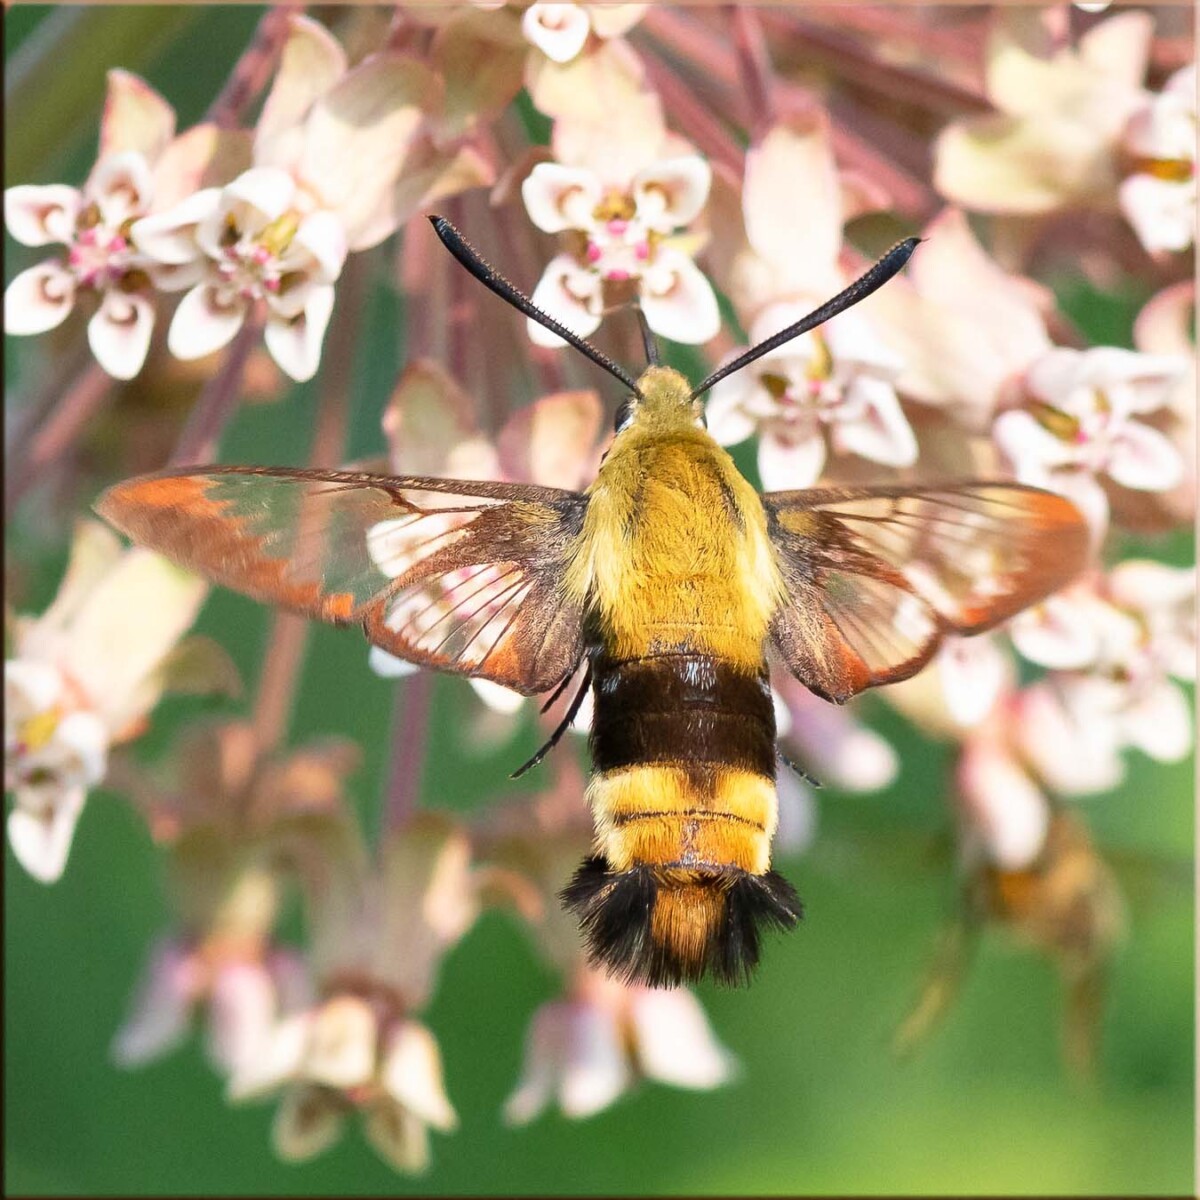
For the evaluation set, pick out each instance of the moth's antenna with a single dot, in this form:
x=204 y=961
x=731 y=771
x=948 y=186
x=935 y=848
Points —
x=890 y=264
x=470 y=258
x=647 y=337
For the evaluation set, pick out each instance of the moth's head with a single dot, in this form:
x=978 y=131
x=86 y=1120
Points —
x=664 y=926
x=663 y=399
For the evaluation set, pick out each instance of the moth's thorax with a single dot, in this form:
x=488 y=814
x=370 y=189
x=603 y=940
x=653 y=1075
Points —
x=674 y=552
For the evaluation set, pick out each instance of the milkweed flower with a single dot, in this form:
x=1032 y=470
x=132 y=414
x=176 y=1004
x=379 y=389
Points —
x=1054 y=142
x=560 y=31
x=1116 y=644
x=1080 y=421
x=584 y=1052
x=1158 y=196
x=141 y=167
x=617 y=202
x=238 y=827
x=379 y=933
x=329 y=151
x=83 y=677
x=832 y=388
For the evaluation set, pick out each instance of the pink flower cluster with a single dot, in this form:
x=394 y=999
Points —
x=692 y=171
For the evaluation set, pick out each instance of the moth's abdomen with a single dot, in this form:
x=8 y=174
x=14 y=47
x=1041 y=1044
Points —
x=683 y=795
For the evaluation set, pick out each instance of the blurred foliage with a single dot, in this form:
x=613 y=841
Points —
x=820 y=1107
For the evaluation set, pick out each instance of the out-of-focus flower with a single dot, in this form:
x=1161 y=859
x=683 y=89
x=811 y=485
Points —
x=1065 y=904
x=353 y=1051
x=1165 y=327
x=238 y=825
x=1158 y=196
x=1117 y=644
x=142 y=167
x=587 y=1050
x=378 y=937
x=243 y=984
x=834 y=743
x=1055 y=142
x=1080 y=421
x=833 y=385
x=1004 y=815
x=964 y=329
x=333 y=151
x=82 y=677
x=617 y=204
x=560 y=31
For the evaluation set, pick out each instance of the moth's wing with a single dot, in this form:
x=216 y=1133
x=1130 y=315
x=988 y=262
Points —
x=875 y=577
x=460 y=576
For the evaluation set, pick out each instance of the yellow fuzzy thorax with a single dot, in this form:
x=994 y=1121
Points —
x=674 y=552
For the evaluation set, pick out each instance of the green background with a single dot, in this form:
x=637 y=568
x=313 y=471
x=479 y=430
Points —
x=820 y=1105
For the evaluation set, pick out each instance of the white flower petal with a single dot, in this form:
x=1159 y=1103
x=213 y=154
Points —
x=671 y=193
x=256 y=197
x=296 y=344
x=1006 y=811
x=1142 y=458
x=310 y=64
x=388 y=665
x=544 y=1048
x=39 y=216
x=595 y=1070
x=398 y=1136
x=170 y=237
x=796 y=825
x=39 y=299
x=1160 y=723
x=30 y=688
x=569 y=294
x=678 y=300
x=496 y=696
x=1161 y=211
x=559 y=31
x=412 y=1075
x=342 y=1041
x=278 y=1059
x=792 y=462
x=207 y=318
x=882 y=434
x=41 y=841
x=675 y=1043
x=136 y=118
x=973 y=672
x=1057 y=633
x=308 y=1121
x=323 y=236
x=121 y=186
x=728 y=420
x=161 y=1013
x=242 y=1008
x=119 y=332
x=559 y=197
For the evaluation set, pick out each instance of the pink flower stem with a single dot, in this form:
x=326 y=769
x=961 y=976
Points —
x=693 y=118
x=855 y=58
x=55 y=436
x=252 y=70
x=289 y=633
x=754 y=69
x=53 y=421
x=410 y=726
x=218 y=400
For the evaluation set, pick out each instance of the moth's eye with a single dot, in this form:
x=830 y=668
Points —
x=624 y=416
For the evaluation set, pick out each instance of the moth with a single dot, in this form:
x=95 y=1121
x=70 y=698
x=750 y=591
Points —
x=672 y=581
